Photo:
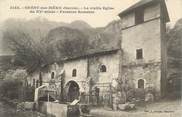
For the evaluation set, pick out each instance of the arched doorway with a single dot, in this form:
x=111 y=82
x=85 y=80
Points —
x=141 y=83
x=72 y=91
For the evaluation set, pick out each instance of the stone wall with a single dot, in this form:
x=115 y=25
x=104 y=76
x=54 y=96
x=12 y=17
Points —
x=81 y=69
x=53 y=109
x=150 y=73
x=150 y=13
x=46 y=76
x=145 y=36
x=128 y=20
x=94 y=64
x=112 y=62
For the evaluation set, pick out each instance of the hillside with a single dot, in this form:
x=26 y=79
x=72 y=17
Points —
x=50 y=32
x=91 y=40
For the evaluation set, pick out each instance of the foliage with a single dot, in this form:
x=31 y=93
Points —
x=29 y=93
x=140 y=93
x=126 y=87
x=6 y=63
x=14 y=86
x=10 y=88
x=135 y=93
x=13 y=83
x=72 y=48
x=68 y=42
x=35 y=51
x=33 y=56
x=19 y=74
x=150 y=90
x=130 y=95
x=174 y=51
x=174 y=37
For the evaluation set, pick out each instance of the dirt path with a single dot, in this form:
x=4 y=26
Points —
x=104 y=113
x=164 y=108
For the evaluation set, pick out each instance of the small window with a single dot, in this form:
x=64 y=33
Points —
x=139 y=54
x=103 y=68
x=139 y=16
x=141 y=83
x=52 y=75
x=74 y=73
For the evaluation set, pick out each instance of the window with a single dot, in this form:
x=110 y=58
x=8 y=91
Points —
x=139 y=16
x=74 y=73
x=52 y=75
x=103 y=68
x=141 y=83
x=139 y=54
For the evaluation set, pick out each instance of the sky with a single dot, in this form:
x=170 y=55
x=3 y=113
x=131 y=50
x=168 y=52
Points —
x=99 y=19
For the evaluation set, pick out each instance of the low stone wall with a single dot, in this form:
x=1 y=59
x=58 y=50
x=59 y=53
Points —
x=53 y=109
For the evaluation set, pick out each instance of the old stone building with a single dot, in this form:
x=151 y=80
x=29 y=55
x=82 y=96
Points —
x=101 y=68
x=140 y=56
x=144 y=43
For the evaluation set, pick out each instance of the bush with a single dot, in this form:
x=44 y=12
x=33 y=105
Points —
x=130 y=95
x=140 y=94
x=10 y=88
x=29 y=93
x=150 y=90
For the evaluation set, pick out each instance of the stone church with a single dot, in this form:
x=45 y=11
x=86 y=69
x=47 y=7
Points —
x=140 y=56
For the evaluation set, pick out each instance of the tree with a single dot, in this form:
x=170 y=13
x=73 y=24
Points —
x=13 y=84
x=68 y=42
x=174 y=52
x=174 y=38
x=73 y=48
x=34 y=56
x=174 y=48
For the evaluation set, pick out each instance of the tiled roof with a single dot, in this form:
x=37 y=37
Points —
x=93 y=52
